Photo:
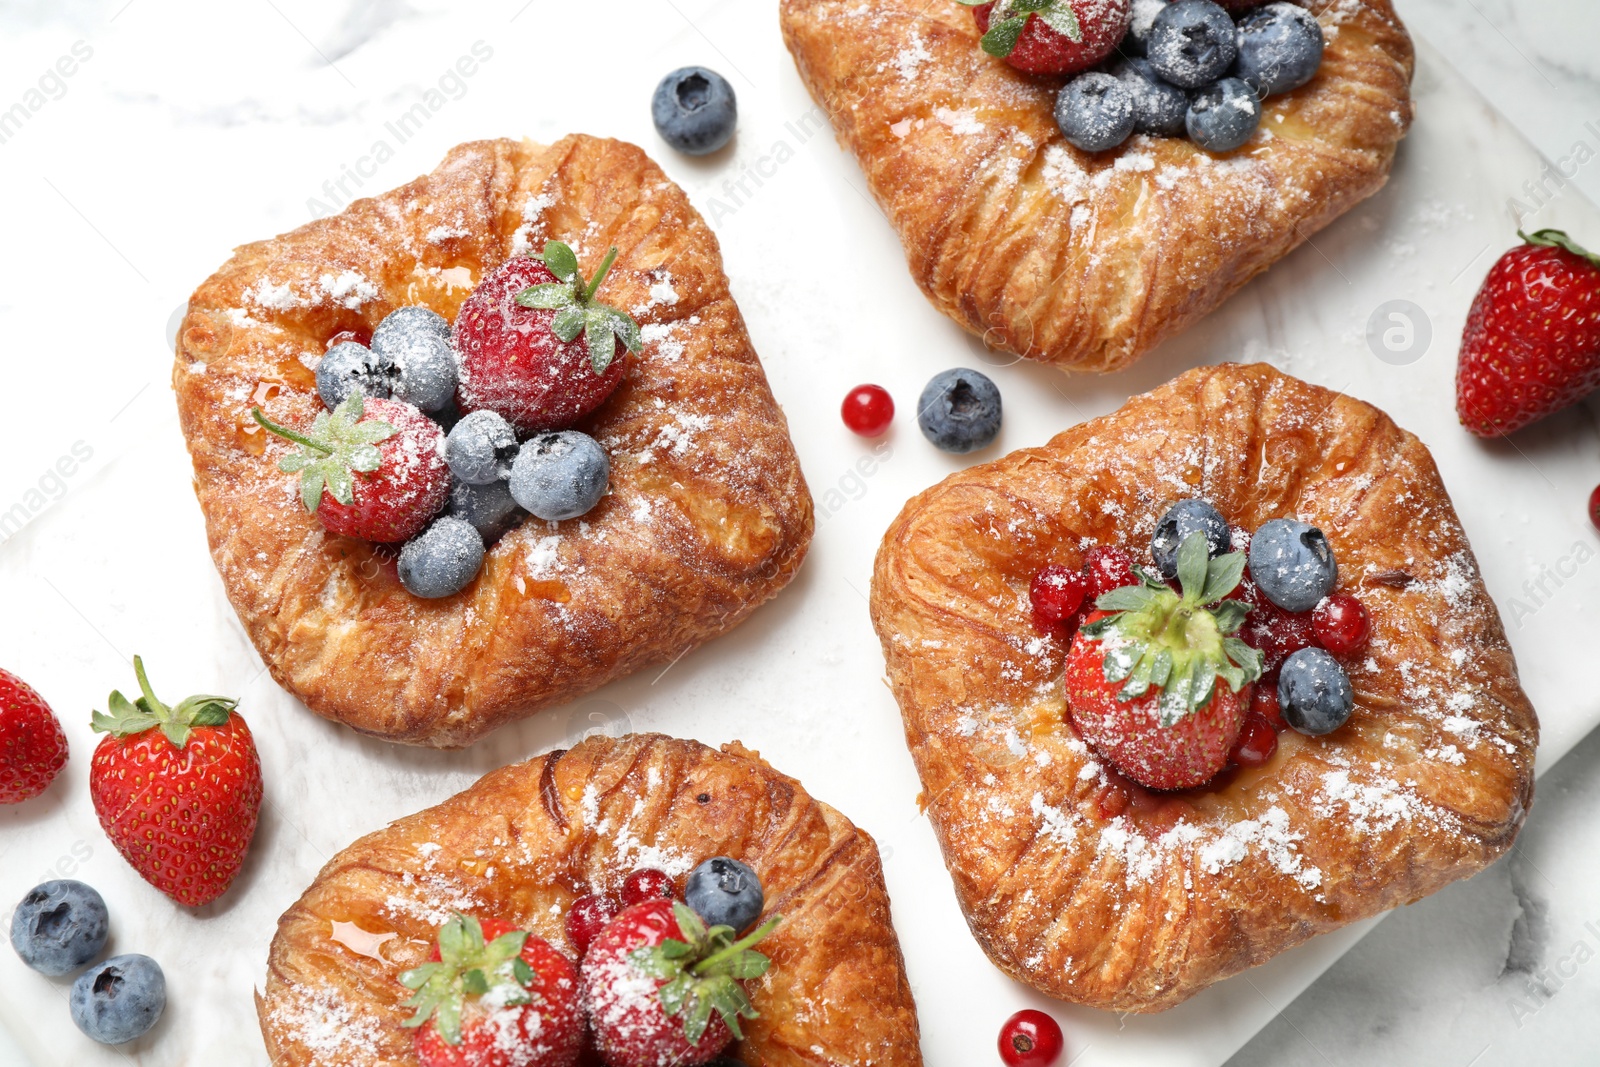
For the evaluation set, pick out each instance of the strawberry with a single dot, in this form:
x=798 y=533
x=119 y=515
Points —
x=33 y=748
x=1142 y=675
x=660 y=988
x=494 y=996
x=536 y=347
x=1051 y=36
x=381 y=478
x=177 y=790
x=1532 y=342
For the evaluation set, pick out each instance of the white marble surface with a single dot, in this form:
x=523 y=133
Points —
x=193 y=127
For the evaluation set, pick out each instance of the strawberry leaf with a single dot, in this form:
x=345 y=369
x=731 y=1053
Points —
x=467 y=967
x=1001 y=40
x=561 y=260
x=1559 y=239
x=1059 y=16
x=335 y=448
x=578 y=314
x=550 y=296
x=147 y=712
x=569 y=323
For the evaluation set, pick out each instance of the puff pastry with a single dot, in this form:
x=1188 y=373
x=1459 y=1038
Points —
x=1135 y=907
x=1087 y=260
x=527 y=840
x=708 y=513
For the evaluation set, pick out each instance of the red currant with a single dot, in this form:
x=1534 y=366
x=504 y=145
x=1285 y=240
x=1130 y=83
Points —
x=1257 y=742
x=1594 y=507
x=1264 y=701
x=1056 y=594
x=1342 y=625
x=360 y=337
x=1107 y=568
x=587 y=917
x=1275 y=633
x=647 y=884
x=868 y=410
x=1030 y=1039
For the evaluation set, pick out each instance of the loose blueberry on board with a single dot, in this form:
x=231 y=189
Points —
x=1315 y=692
x=647 y=884
x=442 y=560
x=1223 y=116
x=415 y=343
x=1280 y=48
x=1182 y=519
x=560 y=475
x=481 y=448
x=1056 y=594
x=348 y=365
x=587 y=917
x=59 y=927
x=490 y=509
x=1292 y=564
x=1141 y=18
x=1030 y=1039
x=1160 y=108
x=959 y=410
x=1095 y=111
x=1192 y=43
x=1342 y=624
x=695 y=110
x=725 y=892
x=120 y=999
x=868 y=410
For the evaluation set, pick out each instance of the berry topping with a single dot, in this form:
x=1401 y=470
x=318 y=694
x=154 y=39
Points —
x=1050 y=36
x=1257 y=742
x=177 y=789
x=442 y=560
x=536 y=346
x=349 y=366
x=647 y=884
x=1192 y=43
x=1264 y=701
x=1095 y=111
x=33 y=747
x=1342 y=625
x=1142 y=675
x=1280 y=48
x=1182 y=519
x=560 y=475
x=1159 y=108
x=959 y=410
x=413 y=345
x=1141 y=18
x=695 y=110
x=587 y=917
x=1056 y=594
x=490 y=509
x=725 y=892
x=1107 y=567
x=1275 y=633
x=1594 y=507
x=868 y=410
x=1292 y=564
x=59 y=927
x=360 y=337
x=1314 y=692
x=1030 y=1039
x=1223 y=115
x=481 y=448
x=119 y=1000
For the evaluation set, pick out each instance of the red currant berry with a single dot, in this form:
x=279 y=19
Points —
x=587 y=917
x=1107 y=568
x=1257 y=742
x=360 y=337
x=1264 y=701
x=647 y=884
x=1594 y=507
x=1342 y=625
x=1030 y=1039
x=868 y=410
x=1275 y=633
x=1056 y=594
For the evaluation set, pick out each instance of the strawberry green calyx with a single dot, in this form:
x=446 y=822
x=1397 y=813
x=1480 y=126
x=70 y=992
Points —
x=578 y=313
x=1010 y=17
x=1559 y=239
x=128 y=718
x=468 y=966
x=1178 y=644
x=703 y=972
x=333 y=450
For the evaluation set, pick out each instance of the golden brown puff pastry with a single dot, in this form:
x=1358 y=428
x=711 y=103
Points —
x=708 y=514
x=1077 y=259
x=526 y=841
x=1135 y=907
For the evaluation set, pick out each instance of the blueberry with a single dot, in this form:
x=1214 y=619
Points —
x=1182 y=519
x=442 y=559
x=446 y=417
x=481 y=448
x=1280 y=48
x=346 y=366
x=1293 y=564
x=560 y=475
x=1159 y=107
x=724 y=892
x=120 y=999
x=490 y=509
x=695 y=110
x=59 y=927
x=1095 y=111
x=1314 y=692
x=959 y=410
x=1141 y=17
x=1192 y=43
x=414 y=344
x=1223 y=116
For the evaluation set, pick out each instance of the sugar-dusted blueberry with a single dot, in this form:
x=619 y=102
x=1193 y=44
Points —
x=1160 y=108
x=1280 y=48
x=1141 y=19
x=442 y=560
x=1292 y=564
x=1223 y=116
x=59 y=927
x=959 y=410
x=481 y=448
x=1095 y=111
x=348 y=365
x=415 y=343
x=490 y=508
x=120 y=999
x=1314 y=692
x=560 y=475
x=725 y=892
x=1192 y=43
x=695 y=110
x=1182 y=519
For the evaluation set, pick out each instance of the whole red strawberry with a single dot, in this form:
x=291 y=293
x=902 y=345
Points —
x=1532 y=342
x=494 y=996
x=536 y=347
x=1052 y=36
x=660 y=988
x=33 y=748
x=1153 y=678
x=177 y=790
x=372 y=469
